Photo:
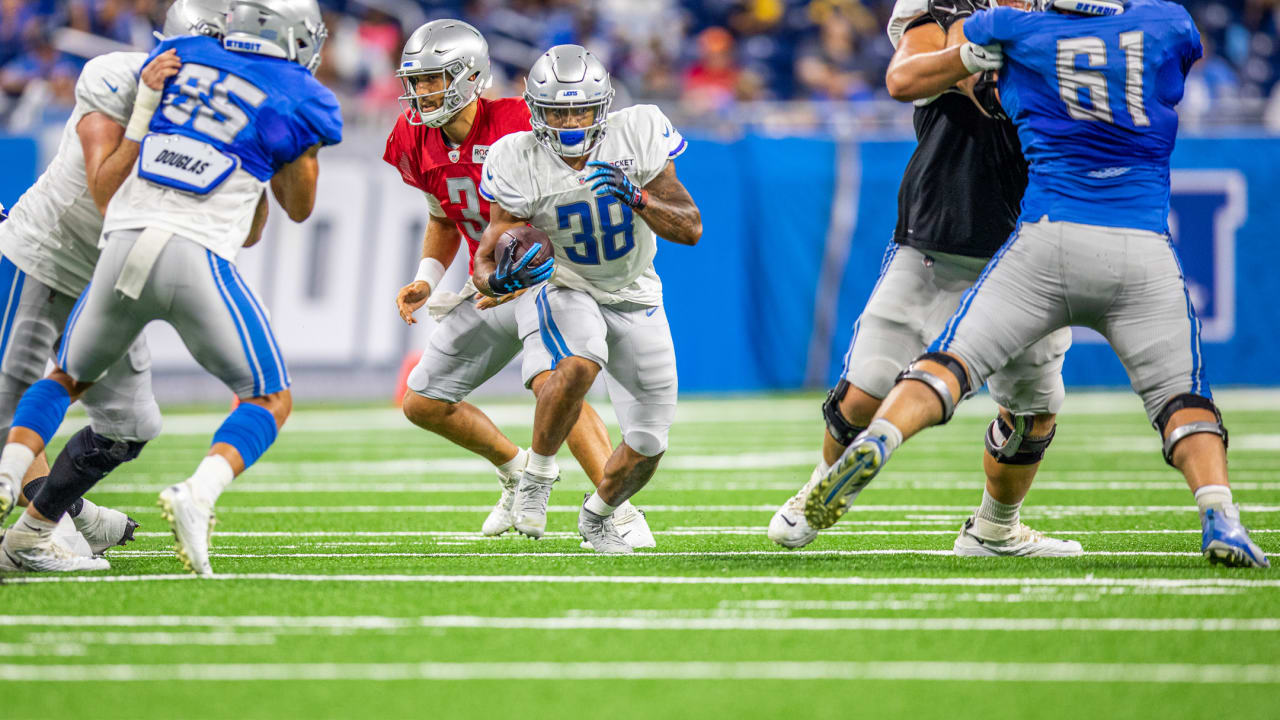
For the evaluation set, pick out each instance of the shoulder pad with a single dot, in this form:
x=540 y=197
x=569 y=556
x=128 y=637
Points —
x=904 y=12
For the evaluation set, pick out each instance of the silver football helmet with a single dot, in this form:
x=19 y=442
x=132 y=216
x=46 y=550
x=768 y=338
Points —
x=568 y=78
x=289 y=29
x=456 y=51
x=195 y=17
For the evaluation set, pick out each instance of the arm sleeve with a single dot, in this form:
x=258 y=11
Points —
x=990 y=26
x=501 y=180
x=659 y=141
x=106 y=87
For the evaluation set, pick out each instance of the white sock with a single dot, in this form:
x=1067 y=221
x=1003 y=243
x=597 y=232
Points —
x=211 y=477
x=994 y=511
x=543 y=466
x=888 y=433
x=1213 y=496
x=514 y=465
x=31 y=524
x=600 y=507
x=15 y=461
x=823 y=467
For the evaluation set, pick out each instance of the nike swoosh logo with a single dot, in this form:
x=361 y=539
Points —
x=650 y=312
x=667 y=133
x=787 y=520
x=113 y=87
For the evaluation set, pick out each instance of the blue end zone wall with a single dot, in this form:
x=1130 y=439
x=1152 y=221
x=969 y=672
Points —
x=19 y=157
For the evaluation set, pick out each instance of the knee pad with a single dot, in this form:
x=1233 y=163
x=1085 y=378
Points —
x=937 y=384
x=647 y=442
x=841 y=429
x=1180 y=402
x=1014 y=445
x=87 y=458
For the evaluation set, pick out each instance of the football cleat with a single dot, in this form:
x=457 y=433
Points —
x=502 y=516
x=27 y=551
x=191 y=520
x=831 y=496
x=104 y=528
x=632 y=526
x=600 y=531
x=981 y=538
x=66 y=534
x=788 y=527
x=8 y=499
x=1225 y=541
x=530 y=504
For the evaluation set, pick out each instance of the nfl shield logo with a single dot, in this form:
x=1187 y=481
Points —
x=453 y=156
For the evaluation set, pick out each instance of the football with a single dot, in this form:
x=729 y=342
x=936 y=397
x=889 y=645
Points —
x=516 y=241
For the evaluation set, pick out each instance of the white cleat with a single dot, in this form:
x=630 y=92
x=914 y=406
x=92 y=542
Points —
x=8 y=499
x=981 y=538
x=191 y=520
x=788 y=527
x=103 y=527
x=632 y=526
x=601 y=534
x=530 y=503
x=502 y=517
x=27 y=551
x=66 y=534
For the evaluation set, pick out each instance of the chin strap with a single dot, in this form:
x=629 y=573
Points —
x=1087 y=7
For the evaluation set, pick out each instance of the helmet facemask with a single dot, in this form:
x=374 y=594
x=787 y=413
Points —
x=568 y=142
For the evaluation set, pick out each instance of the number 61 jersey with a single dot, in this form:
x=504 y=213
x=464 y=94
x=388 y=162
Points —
x=226 y=124
x=450 y=175
x=602 y=246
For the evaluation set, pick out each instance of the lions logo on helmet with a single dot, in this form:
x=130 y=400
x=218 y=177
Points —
x=289 y=29
x=453 y=50
x=569 y=94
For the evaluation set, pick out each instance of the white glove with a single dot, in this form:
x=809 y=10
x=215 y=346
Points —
x=979 y=58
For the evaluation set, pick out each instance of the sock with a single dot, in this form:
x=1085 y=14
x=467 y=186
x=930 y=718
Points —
x=598 y=506
x=42 y=408
x=888 y=433
x=31 y=524
x=211 y=477
x=514 y=465
x=250 y=429
x=543 y=466
x=823 y=467
x=15 y=461
x=994 y=511
x=1213 y=496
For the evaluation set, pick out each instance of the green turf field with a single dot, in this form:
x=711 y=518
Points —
x=354 y=583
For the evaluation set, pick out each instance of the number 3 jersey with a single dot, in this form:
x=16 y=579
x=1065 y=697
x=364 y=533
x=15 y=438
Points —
x=1093 y=99
x=52 y=232
x=602 y=247
x=226 y=124
x=449 y=175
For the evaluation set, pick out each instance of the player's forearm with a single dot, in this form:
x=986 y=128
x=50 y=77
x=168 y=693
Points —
x=295 y=185
x=670 y=211
x=924 y=75
x=110 y=175
x=259 y=222
x=441 y=241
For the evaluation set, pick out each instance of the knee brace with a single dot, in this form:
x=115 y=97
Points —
x=87 y=458
x=841 y=429
x=1180 y=402
x=937 y=384
x=1014 y=445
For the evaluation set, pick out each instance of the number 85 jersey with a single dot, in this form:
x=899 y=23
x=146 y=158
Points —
x=602 y=246
x=227 y=122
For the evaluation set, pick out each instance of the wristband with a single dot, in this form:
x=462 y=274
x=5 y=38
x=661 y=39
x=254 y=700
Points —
x=430 y=270
x=144 y=106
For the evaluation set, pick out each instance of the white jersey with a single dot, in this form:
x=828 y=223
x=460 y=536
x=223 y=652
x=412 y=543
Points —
x=602 y=246
x=52 y=232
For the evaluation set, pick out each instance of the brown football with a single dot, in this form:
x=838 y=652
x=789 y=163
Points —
x=518 y=240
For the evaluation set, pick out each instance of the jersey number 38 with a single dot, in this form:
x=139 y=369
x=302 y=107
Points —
x=608 y=231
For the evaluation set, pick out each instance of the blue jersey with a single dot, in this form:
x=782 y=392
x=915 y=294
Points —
x=1093 y=100
x=265 y=111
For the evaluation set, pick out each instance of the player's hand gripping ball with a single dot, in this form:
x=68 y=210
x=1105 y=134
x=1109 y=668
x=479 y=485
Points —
x=609 y=180
x=524 y=260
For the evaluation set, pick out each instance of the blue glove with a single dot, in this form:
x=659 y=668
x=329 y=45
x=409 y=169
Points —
x=513 y=274
x=609 y=180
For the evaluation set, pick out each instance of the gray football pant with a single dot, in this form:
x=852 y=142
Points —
x=120 y=407
x=1124 y=283
x=200 y=294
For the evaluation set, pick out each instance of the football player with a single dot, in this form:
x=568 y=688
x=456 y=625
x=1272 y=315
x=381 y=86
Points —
x=439 y=144
x=238 y=116
x=957 y=204
x=1092 y=88
x=602 y=186
x=49 y=247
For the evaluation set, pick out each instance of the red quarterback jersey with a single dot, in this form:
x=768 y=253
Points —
x=451 y=175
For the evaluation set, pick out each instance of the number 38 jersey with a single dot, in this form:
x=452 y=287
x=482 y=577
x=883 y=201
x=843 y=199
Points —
x=449 y=175
x=228 y=121
x=1093 y=99
x=601 y=245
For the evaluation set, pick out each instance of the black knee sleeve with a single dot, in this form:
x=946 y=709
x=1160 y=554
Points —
x=87 y=458
x=1181 y=402
x=840 y=429
x=1014 y=445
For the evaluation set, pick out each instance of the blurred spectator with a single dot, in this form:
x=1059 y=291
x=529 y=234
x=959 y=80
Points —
x=711 y=81
x=40 y=61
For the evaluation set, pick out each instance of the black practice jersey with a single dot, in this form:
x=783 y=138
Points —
x=963 y=185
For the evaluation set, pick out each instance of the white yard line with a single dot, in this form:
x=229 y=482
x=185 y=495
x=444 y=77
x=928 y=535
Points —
x=586 y=554
x=1046 y=673
x=1086 y=581
x=962 y=510
x=676 y=532
x=145 y=638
